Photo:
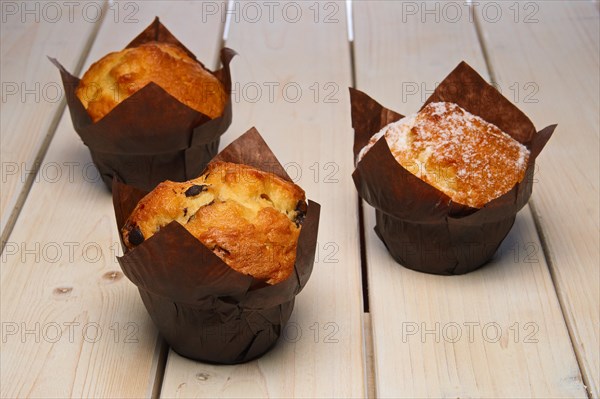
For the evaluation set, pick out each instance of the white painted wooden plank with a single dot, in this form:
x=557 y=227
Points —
x=32 y=94
x=59 y=264
x=546 y=56
x=308 y=135
x=497 y=332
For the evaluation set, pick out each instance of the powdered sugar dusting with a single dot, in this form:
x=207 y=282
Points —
x=396 y=135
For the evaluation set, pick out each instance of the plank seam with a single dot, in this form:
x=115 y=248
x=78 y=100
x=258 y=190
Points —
x=161 y=366
x=361 y=224
x=559 y=294
x=227 y=24
x=482 y=46
x=368 y=343
x=222 y=37
x=45 y=145
x=363 y=256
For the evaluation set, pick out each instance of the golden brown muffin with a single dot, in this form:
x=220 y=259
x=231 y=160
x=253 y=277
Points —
x=249 y=218
x=120 y=74
x=467 y=158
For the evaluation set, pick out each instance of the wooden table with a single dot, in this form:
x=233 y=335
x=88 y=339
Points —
x=526 y=325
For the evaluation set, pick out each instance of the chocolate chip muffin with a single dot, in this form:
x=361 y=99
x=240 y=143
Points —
x=467 y=158
x=119 y=75
x=249 y=218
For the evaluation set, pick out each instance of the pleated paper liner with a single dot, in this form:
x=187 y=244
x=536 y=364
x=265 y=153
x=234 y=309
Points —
x=206 y=310
x=420 y=226
x=151 y=136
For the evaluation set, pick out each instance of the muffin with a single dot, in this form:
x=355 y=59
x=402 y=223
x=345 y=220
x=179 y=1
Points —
x=446 y=182
x=467 y=158
x=249 y=218
x=219 y=260
x=118 y=75
x=150 y=112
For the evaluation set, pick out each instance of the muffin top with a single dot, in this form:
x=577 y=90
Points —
x=249 y=218
x=470 y=160
x=118 y=75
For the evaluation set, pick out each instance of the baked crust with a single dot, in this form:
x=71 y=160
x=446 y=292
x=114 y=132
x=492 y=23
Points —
x=118 y=75
x=467 y=158
x=251 y=219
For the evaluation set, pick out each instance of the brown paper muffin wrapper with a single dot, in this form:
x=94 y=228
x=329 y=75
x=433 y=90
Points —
x=420 y=226
x=150 y=136
x=206 y=310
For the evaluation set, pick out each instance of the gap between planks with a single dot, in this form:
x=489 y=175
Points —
x=161 y=353
x=536 y=221
x=41 y=154
x=483 y=47
x=367 y=328
x=557 y=288
x=361 y=219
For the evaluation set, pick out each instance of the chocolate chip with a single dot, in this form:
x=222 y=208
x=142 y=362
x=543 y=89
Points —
x=300 y=212
x=299 y=219
x=301 y=206
x=135 y=236
x=184 y=211
x=195 y=190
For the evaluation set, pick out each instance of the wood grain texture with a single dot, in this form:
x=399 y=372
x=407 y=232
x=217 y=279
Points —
x=547 y=58
x=321 y=353
x=59 y=265
x=31 y=89
x=497 y=332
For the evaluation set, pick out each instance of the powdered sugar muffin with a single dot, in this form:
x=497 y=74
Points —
x=467 y=158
